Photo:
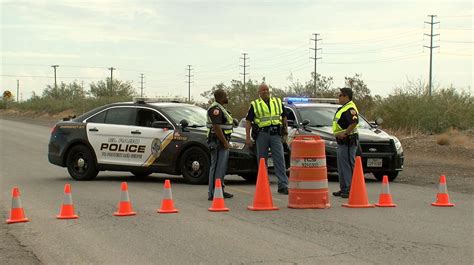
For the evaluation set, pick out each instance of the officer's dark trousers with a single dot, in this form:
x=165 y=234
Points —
x=345 y=165
x=264 y=141
x=219 y=158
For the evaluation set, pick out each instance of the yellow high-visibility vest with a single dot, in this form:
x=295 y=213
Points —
x=265 y=116
x=227 y=128
x=335 y=126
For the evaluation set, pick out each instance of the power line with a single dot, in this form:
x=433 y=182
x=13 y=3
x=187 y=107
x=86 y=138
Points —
x=364 y=41
x=431 y=47
x=391 y=59
x=394 y=47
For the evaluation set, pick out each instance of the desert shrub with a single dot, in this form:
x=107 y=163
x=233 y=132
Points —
x=445 y=109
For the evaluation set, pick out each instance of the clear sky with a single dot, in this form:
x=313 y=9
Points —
x=381 y=40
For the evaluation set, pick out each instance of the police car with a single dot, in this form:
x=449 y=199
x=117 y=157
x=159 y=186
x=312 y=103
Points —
x=143 y=137
x=382 y=154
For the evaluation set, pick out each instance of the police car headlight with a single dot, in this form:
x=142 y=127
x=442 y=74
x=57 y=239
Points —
x=330 y=143
x=398 y=145
x=236 y=145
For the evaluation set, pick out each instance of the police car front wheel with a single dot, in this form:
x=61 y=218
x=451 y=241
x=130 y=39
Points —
x=194 y=165
x=81 y=164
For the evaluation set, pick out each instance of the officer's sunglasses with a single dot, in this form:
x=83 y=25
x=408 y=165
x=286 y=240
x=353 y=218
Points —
x=342 y=95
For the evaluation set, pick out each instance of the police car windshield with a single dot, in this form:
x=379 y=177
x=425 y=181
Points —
x=319 y=116
x=196 y=116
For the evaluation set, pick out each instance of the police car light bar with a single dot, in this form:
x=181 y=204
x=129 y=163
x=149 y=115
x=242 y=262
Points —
x=291 y=100
x=159 y=99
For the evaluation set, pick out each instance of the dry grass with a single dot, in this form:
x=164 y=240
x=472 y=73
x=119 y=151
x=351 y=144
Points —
x=455 y=137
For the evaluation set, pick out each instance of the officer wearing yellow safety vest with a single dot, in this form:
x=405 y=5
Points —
x=219 y=130
x=268 y=118
x=344 y=127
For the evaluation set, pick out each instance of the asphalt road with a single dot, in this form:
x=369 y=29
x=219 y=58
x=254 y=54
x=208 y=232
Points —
x=414 y=232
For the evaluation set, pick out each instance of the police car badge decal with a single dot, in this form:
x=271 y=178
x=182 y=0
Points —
x=157 y=146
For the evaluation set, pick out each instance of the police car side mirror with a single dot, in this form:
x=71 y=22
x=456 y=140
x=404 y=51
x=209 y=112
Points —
x=377 y=122
x=184 y=123
x=305 y=122
x=161 y=124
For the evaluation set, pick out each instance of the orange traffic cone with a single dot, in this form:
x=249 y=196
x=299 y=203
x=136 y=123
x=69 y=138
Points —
x=17 y=215
x=167 y=204
x=67 y=208
x=262 y=200
x=442 y=198
x=125 y=206
x=385 y=198
x=358 y=194
x=218 y=204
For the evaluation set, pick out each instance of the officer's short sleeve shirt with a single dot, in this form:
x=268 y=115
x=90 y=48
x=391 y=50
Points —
x=216 y=115
x=348 y=117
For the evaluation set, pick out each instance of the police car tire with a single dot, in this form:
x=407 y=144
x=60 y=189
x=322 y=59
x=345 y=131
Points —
x=391 y=175
x=141 y=173
x=249 y=177
x=81 y=151
x=199 y=154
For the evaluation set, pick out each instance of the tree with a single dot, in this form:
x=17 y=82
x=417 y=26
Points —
x=68 y=92
x=119 y=88
x=323 y=90
x=362 y=96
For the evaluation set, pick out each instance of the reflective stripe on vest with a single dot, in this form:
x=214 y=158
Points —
x=265 y=116
x=227 y=128
x=308 y=162
x=335 y=126
x=308 y=185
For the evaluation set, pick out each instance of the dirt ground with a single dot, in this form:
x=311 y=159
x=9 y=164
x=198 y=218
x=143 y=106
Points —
x=425 y=159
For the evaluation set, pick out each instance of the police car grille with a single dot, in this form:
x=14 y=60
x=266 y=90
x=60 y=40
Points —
x=376 y=148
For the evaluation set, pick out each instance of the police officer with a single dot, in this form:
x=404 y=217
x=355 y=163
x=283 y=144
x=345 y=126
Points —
x=344 y=127
x=268 y=118
x=219 y=124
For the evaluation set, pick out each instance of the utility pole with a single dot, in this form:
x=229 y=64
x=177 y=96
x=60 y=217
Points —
x=141 y=82
x=17 y=89
x=431 y=47
x=316 y=58
x=55 y=66
x=189 y=81
x=111 y=75
x=245 y=58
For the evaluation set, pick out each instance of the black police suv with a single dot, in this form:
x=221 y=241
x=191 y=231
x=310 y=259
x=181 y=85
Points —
x=143 y=137
x=382 y=154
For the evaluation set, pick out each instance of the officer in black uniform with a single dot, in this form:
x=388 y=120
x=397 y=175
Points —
x=219 y=130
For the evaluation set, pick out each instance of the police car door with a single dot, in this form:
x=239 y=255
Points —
x=155 y=133
x=110 y=134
